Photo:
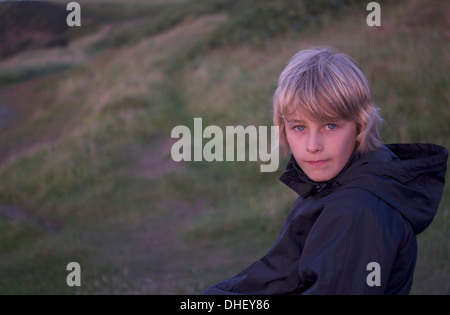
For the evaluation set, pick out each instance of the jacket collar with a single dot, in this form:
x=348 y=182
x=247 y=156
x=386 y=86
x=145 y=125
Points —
x=296 y=179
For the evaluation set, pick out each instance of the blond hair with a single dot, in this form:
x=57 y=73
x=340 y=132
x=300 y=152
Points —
x=328 y=86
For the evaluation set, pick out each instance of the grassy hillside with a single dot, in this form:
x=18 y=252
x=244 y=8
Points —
x=85 y=168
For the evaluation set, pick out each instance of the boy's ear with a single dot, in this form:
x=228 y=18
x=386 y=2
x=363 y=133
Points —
x=358 y=129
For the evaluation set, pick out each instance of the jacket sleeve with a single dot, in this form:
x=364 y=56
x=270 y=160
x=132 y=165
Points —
x=226 y=287
x=350 y=249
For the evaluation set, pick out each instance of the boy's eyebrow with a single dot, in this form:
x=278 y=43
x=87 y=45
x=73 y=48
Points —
x=299 y=121
x=294 y=120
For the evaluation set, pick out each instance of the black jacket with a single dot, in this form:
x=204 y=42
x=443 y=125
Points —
x=369 y=213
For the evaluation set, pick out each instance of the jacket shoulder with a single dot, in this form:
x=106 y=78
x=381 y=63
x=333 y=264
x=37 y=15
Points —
x=354 y=229
x=361 y=207
x=352 y=198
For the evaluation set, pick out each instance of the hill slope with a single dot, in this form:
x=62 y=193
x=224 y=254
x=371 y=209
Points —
x=85 y=168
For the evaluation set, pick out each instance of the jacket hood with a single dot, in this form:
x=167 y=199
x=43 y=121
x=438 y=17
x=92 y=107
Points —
x=408 y=177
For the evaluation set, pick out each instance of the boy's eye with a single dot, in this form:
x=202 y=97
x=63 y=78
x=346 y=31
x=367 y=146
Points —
x=299 y=128
x=331 y=126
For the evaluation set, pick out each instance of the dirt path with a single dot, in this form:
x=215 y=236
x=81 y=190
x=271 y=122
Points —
x=166 y=250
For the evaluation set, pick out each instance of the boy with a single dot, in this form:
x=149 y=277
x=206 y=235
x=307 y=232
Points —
x=353 y=228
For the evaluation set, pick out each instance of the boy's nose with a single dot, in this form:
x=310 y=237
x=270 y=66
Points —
x=314 y=144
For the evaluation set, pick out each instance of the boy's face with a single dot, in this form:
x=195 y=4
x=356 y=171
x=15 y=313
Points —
x=321 y=149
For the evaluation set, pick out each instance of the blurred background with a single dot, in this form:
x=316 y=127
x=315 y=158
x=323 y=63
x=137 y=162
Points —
x=86 y=115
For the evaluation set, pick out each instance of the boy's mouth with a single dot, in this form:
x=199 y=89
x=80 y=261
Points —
x=317 y=163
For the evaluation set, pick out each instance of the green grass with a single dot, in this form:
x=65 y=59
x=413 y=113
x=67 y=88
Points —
x=26 y=73
x=90 y=145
